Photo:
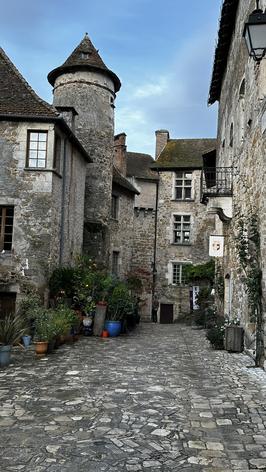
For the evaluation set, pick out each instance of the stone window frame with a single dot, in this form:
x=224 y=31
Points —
x=183 y=186
x=29 y=141
x=115 y=262
x=183 y=216
x=115 y=206
x=6 y=227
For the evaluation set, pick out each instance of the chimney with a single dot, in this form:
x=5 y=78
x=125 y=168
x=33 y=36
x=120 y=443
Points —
x=162 y=136
x=120 y=158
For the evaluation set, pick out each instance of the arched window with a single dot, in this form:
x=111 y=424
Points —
x=242 y=89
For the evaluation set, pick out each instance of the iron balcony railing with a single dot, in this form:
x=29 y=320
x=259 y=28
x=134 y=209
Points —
x=215 y=182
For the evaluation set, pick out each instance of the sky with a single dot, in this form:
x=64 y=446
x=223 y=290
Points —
x=162 y=51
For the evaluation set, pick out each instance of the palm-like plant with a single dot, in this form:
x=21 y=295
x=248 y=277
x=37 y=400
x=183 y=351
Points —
x=12 y=327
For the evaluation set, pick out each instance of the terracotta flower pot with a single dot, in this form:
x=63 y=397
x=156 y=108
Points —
x=41 y=347
x=105 y=333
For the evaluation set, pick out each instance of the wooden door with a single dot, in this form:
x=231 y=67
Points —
x=166 y=313
x=7 y=303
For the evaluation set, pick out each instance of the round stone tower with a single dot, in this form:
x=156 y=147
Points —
x=86 y=84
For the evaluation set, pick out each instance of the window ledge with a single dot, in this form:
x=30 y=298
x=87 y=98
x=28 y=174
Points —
x=191 y=200
x=40 y=169
x=181 y=244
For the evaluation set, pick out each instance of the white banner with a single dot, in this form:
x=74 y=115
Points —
x=216 y=246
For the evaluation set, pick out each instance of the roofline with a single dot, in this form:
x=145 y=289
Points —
x=174 y=167
x=147 y=179
x=48 y=119
x=225 y=33
x=52 y=76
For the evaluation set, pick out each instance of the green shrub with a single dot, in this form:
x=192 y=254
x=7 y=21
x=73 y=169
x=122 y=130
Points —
x=120 y=302
x=215 y=334
x=12 y=327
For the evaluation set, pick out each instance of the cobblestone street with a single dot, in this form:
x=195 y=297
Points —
x=157 y=400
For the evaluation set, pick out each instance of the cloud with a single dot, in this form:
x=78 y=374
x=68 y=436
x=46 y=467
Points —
x=176 y=101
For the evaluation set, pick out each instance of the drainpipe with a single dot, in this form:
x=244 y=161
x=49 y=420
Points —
x=63 y=205
x=154 y=271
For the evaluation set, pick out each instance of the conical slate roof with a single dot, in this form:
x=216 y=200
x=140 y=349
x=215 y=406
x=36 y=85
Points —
x=17 y=98
x=84 y=57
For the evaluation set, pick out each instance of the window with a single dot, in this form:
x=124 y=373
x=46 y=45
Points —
x=57 y=153
x=231 y=137
x=85 y=55
x=6 y=228
x=114 y=208
x=37 y=149
x=115 y=258
x=178 y=273
x=183 y=185
x=181 y=229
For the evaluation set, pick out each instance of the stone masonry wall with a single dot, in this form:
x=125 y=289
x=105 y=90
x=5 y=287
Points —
x=245 y=109
x=143 y=243
x=92 y=94
x=202 y=225
x=37 y=199
x=121 y=232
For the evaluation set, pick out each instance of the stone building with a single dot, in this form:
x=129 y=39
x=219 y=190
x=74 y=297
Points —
x=144 y=229
x=234 y=187
x=85 y=84
x=183 y=226
x=42 y=186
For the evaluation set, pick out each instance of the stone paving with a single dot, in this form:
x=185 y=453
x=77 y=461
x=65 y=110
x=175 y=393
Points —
x=157 y=400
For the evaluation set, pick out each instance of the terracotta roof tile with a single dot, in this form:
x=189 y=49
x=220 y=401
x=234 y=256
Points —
x=17 y=98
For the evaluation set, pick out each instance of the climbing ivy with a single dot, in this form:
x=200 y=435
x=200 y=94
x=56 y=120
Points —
x=248 y=249
x=199 y=272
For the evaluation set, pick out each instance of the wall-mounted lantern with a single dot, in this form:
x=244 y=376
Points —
x=255 y=34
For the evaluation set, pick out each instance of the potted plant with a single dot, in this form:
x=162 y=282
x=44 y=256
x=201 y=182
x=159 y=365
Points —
x=43 y=330
x=12 y=328
x=119 y=306
x=234 y=335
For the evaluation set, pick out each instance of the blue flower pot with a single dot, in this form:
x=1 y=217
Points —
x=113 y=328
x=5 y=354
x=26 y=340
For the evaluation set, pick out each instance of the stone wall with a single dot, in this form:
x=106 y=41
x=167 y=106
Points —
x=196 y=252
x=38 y=242
x=121 y=232
x=92 y=95
x=242 y=144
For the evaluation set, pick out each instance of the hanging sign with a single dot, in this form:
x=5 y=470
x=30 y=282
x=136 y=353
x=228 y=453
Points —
x=216 y=246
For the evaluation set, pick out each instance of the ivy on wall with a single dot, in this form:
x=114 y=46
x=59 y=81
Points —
x=249 y=254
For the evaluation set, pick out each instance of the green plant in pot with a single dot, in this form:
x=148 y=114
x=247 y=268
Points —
x=43 y=330
x=12 y=328
x=119 y=306
x=27 y=308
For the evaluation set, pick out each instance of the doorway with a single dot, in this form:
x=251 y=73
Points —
x=166 y=313
x=7 y=303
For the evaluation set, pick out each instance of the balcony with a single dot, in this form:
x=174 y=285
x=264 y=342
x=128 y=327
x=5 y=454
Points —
x=217 y=190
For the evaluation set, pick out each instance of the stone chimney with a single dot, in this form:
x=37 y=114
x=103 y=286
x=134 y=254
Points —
x=120 y=148
x=162 y=136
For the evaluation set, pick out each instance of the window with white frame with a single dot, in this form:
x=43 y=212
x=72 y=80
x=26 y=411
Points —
x=178 y=275
x=183 y=186
x=37 y=149
x=182 y=229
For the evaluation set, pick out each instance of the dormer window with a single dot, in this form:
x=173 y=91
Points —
x=85 y=55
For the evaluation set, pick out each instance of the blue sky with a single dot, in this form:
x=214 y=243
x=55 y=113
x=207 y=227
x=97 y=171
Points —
x=161 y=50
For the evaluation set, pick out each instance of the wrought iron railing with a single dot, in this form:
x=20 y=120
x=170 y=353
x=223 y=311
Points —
x=216 y=181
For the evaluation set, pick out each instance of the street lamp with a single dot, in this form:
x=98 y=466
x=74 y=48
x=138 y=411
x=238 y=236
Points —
x=255 y=33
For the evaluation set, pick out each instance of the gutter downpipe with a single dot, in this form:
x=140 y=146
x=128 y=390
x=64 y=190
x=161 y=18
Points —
x=63 y=205
x=154 y=270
